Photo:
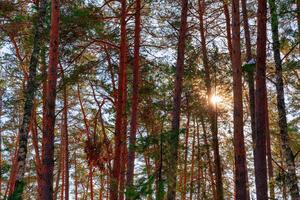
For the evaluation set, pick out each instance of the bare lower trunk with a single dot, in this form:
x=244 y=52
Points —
x=46 y=187
x=183 y=197
x=261 y=104
x=207 y=152
x=289 y=158
x=192 y=165
x=135 y=96
x=173 y=140
x=239 y=145
x=270 y=165
x=120 y=109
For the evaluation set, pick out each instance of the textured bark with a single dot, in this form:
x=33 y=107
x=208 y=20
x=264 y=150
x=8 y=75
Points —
x=239 y=145
x=66 y=145
x=124 y=150
x=120 y=109
x=212 y=109
x=135 y=96
x=173 y=140
x=19 y=183
x=46 y=188
x=261 y=104
x=289 y=158
x=91 y=184
x=35 y=141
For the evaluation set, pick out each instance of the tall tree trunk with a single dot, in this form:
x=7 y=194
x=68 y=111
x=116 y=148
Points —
x=207 y=152
x=212 y=109
x=75 y=177
x=91 y=184
x=228 y=25
x=250 y=73
x=66 y=147
x=1 y=105
x=173 y=139
x=193 y=163
x=46 y=187
x=135 y=96
x=239 y=145
x=298 y=20
x=250 y=79
x=124 y=151
x=261 y=104
x=65 y=140
x=199 y=164
x=120 y=109
x=270 y=165
x=183 y=197
x=289 y=158
x=62 y=160
x=18 y=183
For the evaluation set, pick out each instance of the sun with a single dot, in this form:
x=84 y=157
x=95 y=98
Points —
x=215 y=99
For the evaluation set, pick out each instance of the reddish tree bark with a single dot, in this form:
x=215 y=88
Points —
x=135 y=95
x=173 y=139
x=261 y=104
x=239 y=145
x=91 y=184
x=46 y=188
x=120 y=108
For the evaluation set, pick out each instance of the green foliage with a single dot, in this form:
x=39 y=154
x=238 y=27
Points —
x=248 y=68
x=17 y=194
x=143 y=188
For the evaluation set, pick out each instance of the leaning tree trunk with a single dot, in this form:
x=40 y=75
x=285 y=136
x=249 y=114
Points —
x=173 y=139
x=120 y=109
x=19 y=183
x=135 y=96
x=289 y=158
x=239 y=145
x=46 y=188
x=261 y=104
